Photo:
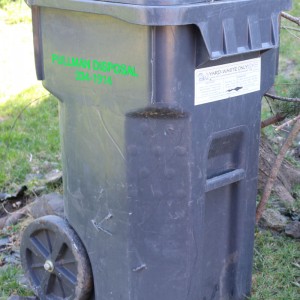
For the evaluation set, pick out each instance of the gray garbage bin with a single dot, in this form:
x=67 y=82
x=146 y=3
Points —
x=160 y=122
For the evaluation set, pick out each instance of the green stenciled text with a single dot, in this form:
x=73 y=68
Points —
x=90 y=69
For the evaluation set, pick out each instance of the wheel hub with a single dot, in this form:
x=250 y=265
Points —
x=48 y=266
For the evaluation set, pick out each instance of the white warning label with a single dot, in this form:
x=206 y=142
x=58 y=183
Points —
x=227 y=81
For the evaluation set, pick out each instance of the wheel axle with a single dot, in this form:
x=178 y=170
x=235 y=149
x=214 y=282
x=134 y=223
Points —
x=48 y=266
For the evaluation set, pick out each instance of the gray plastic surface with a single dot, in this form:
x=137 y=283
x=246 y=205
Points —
x=161 y=191
x=147 y=3
x=226 y=28
x=163 y=2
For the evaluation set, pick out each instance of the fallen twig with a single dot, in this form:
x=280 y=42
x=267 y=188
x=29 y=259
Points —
x=275 y=169
x=272 y=120
x=288 y=123
x=291 y=18
x=286 y=99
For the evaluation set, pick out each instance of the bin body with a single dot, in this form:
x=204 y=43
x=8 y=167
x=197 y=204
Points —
x=160 y=123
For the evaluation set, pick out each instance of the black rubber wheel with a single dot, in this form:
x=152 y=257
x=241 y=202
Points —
x=55 y=260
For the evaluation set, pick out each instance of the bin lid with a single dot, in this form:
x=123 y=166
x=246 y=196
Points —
x=228 y=27
x=162 y=2
x=146 y=3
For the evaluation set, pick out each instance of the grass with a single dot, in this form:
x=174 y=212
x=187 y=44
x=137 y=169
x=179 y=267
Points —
x=276 y=270
x=287 y=82
x=29 y=136
x=9 y=282
x=15 y=12
x=11 y=275
x=289 y=66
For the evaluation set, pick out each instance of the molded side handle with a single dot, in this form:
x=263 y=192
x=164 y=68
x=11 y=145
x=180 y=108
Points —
x=224 y=179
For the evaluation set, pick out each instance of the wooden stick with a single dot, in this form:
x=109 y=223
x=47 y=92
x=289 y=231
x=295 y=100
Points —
x=289 y=122
x=275 y=169
x=286 y=99
x=291 y=18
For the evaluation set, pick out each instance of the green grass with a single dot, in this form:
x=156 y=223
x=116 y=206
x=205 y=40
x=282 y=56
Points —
x=10 y=275
x=9 y=284
x=4 y=3
x=276 y=270
x=15 y=12
x=287 y=82
x=289 y=66
x=29 y=136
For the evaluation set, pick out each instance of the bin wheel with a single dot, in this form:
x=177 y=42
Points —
x=55 y=260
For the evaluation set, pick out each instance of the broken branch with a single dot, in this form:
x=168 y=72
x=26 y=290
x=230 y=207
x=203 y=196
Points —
x=275 y=169
x=286 y=99
x=291 y=18
x=288 y=123
x=272 y=120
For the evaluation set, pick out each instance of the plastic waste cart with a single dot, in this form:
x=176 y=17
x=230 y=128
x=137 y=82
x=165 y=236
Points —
x=160 y=121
